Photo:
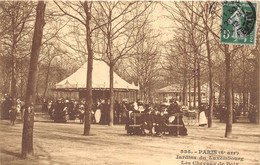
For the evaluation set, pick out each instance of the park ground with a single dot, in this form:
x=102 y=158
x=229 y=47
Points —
x=56 y=143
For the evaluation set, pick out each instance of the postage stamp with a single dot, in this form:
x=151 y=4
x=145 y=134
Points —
x=238 y=23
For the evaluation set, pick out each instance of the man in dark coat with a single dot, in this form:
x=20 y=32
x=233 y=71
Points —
x=6 y=106
x=44 y=105
x=105 y=112
x=116 y=112
x=59 y=116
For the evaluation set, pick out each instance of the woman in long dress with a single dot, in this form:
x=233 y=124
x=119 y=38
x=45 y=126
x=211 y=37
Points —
x=202 y=117
x=178 y=120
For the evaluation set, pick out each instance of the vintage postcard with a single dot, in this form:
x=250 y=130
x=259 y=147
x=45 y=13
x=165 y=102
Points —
x=129 y=82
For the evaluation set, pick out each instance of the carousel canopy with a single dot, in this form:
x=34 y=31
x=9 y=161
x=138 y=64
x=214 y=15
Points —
x=100 y=79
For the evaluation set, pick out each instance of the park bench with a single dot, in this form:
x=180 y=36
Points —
x=170 y=126
x=135 y=117
x=135 y=126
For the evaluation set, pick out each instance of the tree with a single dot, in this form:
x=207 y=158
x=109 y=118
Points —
x=87 y=9
x=228 y=79
x=27 y=138
x=120 y=34
x=14 y=35
x=207 y=21
x=254 y=90
x=144 y=63
x=51 y=51
x=206 y=25
x=191 y=40
x=83 y=14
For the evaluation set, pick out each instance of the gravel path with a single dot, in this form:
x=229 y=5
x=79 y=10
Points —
x=64 y=144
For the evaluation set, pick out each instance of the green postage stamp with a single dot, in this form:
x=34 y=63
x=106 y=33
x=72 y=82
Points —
x=238 y=23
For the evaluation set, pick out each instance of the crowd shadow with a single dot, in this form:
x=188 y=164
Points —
x=11 y=153
x=43 y=155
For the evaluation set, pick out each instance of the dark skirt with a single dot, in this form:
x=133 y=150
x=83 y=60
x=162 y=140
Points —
x=182 y=129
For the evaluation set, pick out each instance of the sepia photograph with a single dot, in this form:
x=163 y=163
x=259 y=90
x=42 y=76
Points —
x=125 y=82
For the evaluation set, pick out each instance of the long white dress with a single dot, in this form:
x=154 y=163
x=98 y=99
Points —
x=202 y=119
x=97 y=115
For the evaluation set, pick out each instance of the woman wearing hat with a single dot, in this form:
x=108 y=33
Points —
x=176 y=109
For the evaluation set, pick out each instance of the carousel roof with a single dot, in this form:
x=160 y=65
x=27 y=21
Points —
x=100 y=79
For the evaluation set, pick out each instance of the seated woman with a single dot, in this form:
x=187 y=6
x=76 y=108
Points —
x=160 y=120
x=148 y=121
x=174 y=108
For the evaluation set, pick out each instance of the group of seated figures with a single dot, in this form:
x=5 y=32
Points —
x=156 y=120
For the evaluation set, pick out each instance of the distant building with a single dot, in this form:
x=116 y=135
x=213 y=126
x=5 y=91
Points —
x=175 y=91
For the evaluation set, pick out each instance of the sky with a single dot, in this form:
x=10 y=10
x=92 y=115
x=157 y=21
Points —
x=160 y=25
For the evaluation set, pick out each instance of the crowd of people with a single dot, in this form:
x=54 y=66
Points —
x=11 y=108
x=156 y=119
x=70 y=109
x=61 y=110
x=220 y=112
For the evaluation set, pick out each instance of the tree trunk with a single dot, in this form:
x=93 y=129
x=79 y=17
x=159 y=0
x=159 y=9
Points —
x=233 y=93
x=13 y=54
x=211 y=100
x=210 y=83
x=37 y=89
x=21 y=89
x=199 y=88
x=111 y=89
x=13 y=79
x=46 y=80
x=220 y=92
x=254 y=94
x=184 y=92
x=194 y=93
x=88 y=110
x=228 y=93
x=27 y=138
x=111 y=70
x=189 y=94
x=149 y=93
x=244 y=84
